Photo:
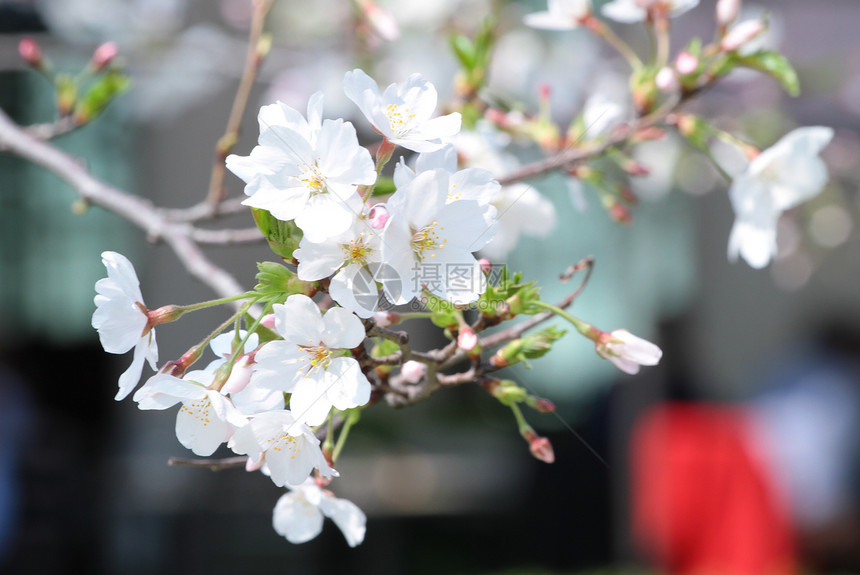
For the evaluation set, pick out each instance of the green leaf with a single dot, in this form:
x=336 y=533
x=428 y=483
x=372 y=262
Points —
x=464 y=50
x=383 y=347
x=101 y=93
x=776 y=65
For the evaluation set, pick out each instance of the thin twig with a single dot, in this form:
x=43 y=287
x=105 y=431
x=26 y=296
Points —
x=253 y=60
x=210 y=464
x=138 y=211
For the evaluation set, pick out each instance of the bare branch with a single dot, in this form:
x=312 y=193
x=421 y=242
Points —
x=138 y=211
x=253 y=60
x=211 y=464
x=205 y=211
x=224 y=237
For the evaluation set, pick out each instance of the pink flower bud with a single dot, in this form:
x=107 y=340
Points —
x=627 y=351
x=544 y=405
x=378 y=216
x=486 y=265
x=239 y=376
x=667 y=80
x=30 y=52
x=741 y=34
x=467 y=339
x=686 y=63
x=543 y=91
x=104 y=55
x=268 y=321
x=383 y=23
x=541 y=448
x=727 y=11
x=386 y=318
x=413 y=371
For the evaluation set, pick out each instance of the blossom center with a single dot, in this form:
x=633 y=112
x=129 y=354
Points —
x=428 y=239
x=357 y=251
x=313 y=179
x=318 y=356
x=288 y=443
x=398 y=118
x=201 y=410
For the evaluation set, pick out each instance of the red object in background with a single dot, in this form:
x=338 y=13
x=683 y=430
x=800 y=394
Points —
x=703 y=502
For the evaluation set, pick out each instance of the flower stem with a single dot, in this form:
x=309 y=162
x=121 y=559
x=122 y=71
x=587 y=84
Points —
x=213 y=302
x=613 y=40
x=582 y=327
x=351 y=418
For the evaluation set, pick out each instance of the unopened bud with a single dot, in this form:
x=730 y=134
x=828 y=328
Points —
x=727 y=11
x=486 y=265
x=540 y=447
x=163 y=314
x=378 y=216
x=667 y=80
x=413 y=371
x=542 y=405
x=467 y=339
x=30 y=52
x=686 y=63
x=239 y=376
x=544 y=91
x=741 y=34
x=620 y=213
x=382 y=22
x=268 y=321
x=104 y=55
x=628 y=195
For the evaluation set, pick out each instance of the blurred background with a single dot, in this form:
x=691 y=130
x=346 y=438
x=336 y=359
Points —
x=739 y=453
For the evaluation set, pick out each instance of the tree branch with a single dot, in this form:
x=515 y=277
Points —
x=139 y=212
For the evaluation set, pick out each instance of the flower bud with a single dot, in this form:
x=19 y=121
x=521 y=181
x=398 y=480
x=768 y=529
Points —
x=104 y=55
x=378 y=216
x=383 y=22
x=485 y=264
x=627 y=351
x=727 y=11
x=686 y=63
x=620 y=213
x=268 y=321
x=540 y=447
x=542 y=405
x=413 y=371
x=467 y=339
x=741 y=34
x=30 y=52
x=667 y=80
x=239 y=376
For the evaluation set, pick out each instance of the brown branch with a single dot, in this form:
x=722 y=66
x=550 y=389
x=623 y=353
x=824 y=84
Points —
x=138 y=211
x=253 y=60
x=211 y=464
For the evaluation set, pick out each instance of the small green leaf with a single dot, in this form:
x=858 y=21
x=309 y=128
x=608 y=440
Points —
x=101 y=93
x=776 y=65
x=464 y=50
x=383 y=347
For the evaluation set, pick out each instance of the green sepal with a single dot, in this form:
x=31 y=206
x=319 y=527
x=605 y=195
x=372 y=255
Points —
x=383 y=347
x=101 y=92
x=775 y=65
x=445 y=314
x=384 y=186
x=275 y=283
x=283 y=237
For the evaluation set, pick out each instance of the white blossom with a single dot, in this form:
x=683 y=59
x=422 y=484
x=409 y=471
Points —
x=627 y=351
x=429 y=240
x=352 y=256
x=299 y=514
x=780 y=178
x=306 y=170
x=288 y=447
x=630 y=11
x=310 y=362
x=560 y=15
x=403 y=114
x=121 y=319
x=521 y=210
x=206 y=418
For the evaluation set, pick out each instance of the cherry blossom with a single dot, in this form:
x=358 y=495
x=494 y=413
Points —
x=428 y=241
x=354 y=255
x=306 y=170
x=560 y=15
x=402 y=113
x=630 y=11
x=121 y=319
x=288 y=447
x=310 y=362
x=206 y=419
x=299 y=514
x=627 y=351
x=780 y=178
x=522 y=210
